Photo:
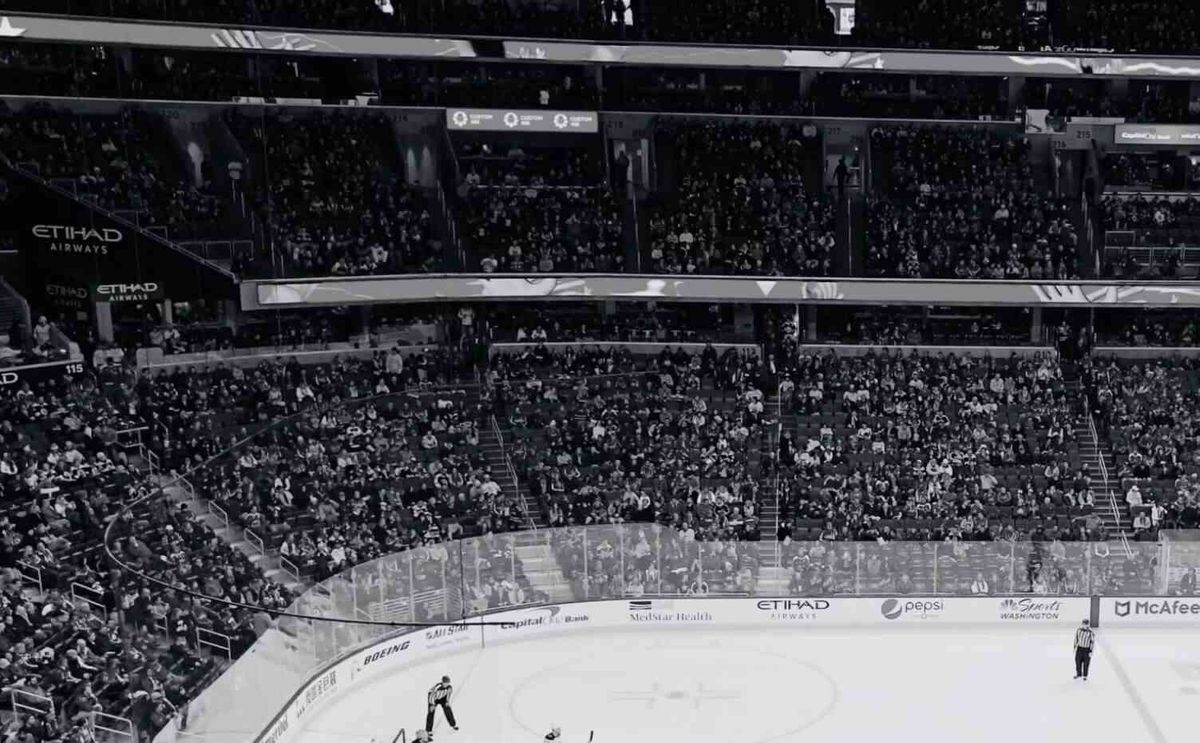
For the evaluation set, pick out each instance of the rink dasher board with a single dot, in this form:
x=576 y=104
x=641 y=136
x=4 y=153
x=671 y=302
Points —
x=1149 y=611
x=410 y=648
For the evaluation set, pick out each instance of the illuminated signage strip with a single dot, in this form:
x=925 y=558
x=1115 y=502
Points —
x=918 y=62
x=492 y=287
x=1156 y=135
x=191 y=36
x=188 y=36
x=511 y=120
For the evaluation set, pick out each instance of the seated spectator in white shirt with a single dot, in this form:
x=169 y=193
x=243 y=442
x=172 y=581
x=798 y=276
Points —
x=1134 y=497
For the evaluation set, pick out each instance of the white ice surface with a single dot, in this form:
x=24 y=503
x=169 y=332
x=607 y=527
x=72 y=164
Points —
x=793 y=684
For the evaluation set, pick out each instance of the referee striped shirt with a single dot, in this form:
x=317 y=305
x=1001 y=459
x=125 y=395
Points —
x=1084 y=637
x=439 y=693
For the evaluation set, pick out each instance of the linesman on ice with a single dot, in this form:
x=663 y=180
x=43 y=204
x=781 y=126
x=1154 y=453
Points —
x=1085 y=641
x=439 y=696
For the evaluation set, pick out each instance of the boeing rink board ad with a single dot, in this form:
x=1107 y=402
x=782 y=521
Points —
x=399 y=652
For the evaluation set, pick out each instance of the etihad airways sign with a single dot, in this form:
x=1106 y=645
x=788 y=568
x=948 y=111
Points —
x=72 y=240
x=143 y=292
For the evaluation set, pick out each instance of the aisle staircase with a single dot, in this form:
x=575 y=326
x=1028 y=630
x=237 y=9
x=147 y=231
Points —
x=1110 y=501
x=491 y=445
x=1096 y=454
x=772 y=576
x=243 y=540
x=532 y=548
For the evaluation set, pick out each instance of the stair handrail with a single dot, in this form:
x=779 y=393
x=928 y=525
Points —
x=1112 y=499
x=775 y=449
x=512 y=472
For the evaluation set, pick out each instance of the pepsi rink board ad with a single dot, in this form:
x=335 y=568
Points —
x=65 y=242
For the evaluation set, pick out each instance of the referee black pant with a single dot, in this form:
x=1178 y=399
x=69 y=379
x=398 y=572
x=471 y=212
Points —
x=1083 y=660
x=445 y=708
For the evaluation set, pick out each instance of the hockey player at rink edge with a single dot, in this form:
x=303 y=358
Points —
x=1085 y=640
x=439 y=695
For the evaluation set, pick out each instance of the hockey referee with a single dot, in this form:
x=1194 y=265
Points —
x=439 y=695
x=1085 y=640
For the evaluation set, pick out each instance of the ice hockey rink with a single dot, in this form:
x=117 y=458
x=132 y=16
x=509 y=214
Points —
x=793 y=684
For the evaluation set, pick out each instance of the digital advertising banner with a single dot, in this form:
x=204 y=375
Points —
x=490 y=287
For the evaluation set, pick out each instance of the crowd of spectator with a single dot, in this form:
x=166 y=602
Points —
x=1142 y=212
x=445 y=83
x=378 y=473
x=1158 y=171
x=113 y=72
x=315 y=329
x=1141 y=26
x=1154 y=328
x=65 y=473
x=115 y=161
x=1150 y=236
x=607 y=438
x=70 y=464
x=1140 y=101
x=1147 y=410
x=962 y=203
x=631 y=560
x=940 y=24
x=629 y=323
x=932 y=447
x=1154 y=221
x=745 y=202
x=675 y=454
x=604 y=437
x=537 y=210
x=69 y=70
x=331 y=189
x=900 y=327
x=890 y=96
